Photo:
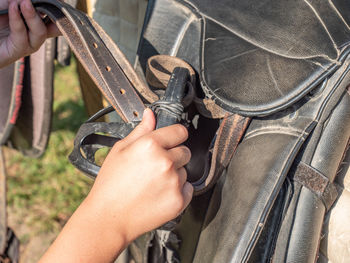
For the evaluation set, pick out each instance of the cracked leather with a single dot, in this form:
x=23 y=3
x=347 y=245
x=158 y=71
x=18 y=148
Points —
x=288 y=46
x=286 y=64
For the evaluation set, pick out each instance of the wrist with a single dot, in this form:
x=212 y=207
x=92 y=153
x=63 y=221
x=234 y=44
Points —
x=88 y=236
x=105 y=220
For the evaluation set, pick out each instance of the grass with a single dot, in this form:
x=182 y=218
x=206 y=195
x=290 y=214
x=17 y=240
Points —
x=44 y=192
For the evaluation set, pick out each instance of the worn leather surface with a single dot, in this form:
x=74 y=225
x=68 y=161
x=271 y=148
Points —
x=308 y=212
x=237 y=212
x=99 y=56
x=10 y=87
x=263 y=59
x=253 y=58
x=229 y=223
x=122 y=20
x=31 y=130
x=335 y=239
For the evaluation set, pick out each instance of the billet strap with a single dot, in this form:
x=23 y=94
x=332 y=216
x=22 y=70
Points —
x=100 y=57
x=63 y=53
x=229 y=135
x=316 y=182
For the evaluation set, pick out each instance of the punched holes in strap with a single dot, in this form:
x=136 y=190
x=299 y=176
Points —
x=316 y=182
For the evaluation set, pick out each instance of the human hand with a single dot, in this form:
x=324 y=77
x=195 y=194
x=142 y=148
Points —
x=142 y=183
x=16 y=40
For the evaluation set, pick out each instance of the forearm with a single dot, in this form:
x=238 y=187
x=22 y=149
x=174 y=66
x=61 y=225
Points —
x=141 y=185
x=87 y=237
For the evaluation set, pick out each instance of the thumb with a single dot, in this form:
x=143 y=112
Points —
x=147 y=125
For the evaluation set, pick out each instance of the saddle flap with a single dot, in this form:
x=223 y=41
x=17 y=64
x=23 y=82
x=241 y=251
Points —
x=31 y=131
x=254 y=58
x=11 y=78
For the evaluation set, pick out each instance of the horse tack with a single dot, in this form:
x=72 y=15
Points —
x=97 y=54
x=262 y=68
x=101 y=62
x=260 y=78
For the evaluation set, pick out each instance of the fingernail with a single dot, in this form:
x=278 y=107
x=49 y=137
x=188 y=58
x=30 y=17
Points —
x=145 y=111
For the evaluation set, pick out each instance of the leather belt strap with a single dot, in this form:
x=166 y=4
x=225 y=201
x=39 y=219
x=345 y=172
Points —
x=100 y=57
x=229 y=135
x=316 y=182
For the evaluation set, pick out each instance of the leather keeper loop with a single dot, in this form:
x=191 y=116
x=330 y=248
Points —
x=316 y=182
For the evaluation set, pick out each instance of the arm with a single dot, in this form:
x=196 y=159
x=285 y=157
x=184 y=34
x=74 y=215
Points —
x=15 y=40
x=141 y=185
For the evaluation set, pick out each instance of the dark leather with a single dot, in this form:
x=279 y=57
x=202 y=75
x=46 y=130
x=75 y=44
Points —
x=12 y=77
x=288 y=47
x=286 y=64
x=97 y=53
x=31 y=130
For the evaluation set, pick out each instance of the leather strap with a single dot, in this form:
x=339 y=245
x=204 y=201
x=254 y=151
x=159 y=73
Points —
x=100 y=57
x=158 y=73
x=229 y=135
x=316 y=182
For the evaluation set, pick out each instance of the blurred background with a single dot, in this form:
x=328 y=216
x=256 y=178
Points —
x=42 y=193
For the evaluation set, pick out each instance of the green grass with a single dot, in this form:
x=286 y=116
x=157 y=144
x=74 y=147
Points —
x=44 y=192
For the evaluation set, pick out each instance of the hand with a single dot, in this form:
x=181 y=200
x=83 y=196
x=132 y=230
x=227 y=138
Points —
x=142 y=183
x=15 y=40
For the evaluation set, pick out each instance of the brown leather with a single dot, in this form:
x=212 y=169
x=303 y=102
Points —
x=99 y=56
x=158 y=71
x=160 y=67
x=316 y=182
x=229 y=135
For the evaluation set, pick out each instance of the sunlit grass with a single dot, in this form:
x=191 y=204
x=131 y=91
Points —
x=43 y=192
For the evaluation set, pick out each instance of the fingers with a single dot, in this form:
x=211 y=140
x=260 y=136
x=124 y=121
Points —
x=37 y=29
x=171 y=136
x=146 y=126
x=180 y=155
x=53 y=31
x=18 y=35
x=26 y=37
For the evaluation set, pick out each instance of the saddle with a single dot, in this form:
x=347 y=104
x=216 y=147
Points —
x=269 y=121
x=285 y=64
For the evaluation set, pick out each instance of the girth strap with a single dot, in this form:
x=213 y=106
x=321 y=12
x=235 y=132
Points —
x=316 y=182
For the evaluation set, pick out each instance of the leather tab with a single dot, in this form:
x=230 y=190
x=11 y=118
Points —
x=316 y=182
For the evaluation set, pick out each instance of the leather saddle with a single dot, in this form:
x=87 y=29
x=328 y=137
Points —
x=285 y=64
x=282 y=64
